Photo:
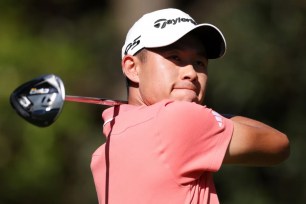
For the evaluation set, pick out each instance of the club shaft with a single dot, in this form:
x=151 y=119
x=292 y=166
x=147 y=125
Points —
x=92 y=100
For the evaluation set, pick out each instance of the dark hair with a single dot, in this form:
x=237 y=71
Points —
x=142 y=55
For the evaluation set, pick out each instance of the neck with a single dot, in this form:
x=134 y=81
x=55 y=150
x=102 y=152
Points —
x=134 y=97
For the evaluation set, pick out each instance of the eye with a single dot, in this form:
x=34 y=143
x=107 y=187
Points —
x=201 y=63
x=175 y=58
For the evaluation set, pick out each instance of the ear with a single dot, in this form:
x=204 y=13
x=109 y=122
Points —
x=129 y=67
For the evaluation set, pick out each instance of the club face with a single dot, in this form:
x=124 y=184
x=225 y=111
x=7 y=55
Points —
x=39 y=101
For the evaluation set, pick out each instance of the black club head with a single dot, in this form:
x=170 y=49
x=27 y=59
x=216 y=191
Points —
x=39 y=101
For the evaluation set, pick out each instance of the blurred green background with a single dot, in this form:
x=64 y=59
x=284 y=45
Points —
x=262 y=76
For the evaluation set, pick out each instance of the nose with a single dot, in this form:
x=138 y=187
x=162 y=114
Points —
x=189 y=73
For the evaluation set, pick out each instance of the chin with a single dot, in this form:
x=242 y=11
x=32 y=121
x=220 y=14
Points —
x=188 y=97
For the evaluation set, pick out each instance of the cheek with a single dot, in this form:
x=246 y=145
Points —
x=163 y=82
x=159 y=85
x=202 y=78
x=151 y=81
x=163 y=74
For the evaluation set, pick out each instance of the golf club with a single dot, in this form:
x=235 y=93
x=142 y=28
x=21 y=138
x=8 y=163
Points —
x=40 y=101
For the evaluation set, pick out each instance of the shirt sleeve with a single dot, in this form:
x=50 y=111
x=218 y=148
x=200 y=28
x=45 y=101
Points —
x=193 y=139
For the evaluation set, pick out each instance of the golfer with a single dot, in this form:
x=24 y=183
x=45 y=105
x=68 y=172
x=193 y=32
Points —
x=164 y=145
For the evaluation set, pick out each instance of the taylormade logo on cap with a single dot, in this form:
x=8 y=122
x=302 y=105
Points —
x=164 y=27
x=162 y=23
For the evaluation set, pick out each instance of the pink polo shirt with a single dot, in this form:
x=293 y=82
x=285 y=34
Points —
x=160 y=154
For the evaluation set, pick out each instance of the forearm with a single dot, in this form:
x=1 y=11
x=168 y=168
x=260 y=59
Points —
x=251 y=122
x=256 y=144
x=245 y=120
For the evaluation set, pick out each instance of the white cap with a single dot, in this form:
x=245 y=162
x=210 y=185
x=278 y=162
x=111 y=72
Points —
x=164 y=27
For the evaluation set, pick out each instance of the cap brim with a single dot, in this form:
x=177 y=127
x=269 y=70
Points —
x=208 y=34
x=212 y=39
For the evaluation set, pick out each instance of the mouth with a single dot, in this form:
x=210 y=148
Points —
x=186 y=92
x=190 y=87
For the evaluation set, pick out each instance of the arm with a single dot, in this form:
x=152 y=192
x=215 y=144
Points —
x=256 y=144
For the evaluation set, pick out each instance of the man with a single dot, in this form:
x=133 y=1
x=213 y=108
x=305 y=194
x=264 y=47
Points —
x=163 y=146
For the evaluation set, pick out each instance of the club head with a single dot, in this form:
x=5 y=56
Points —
x=39 y=101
